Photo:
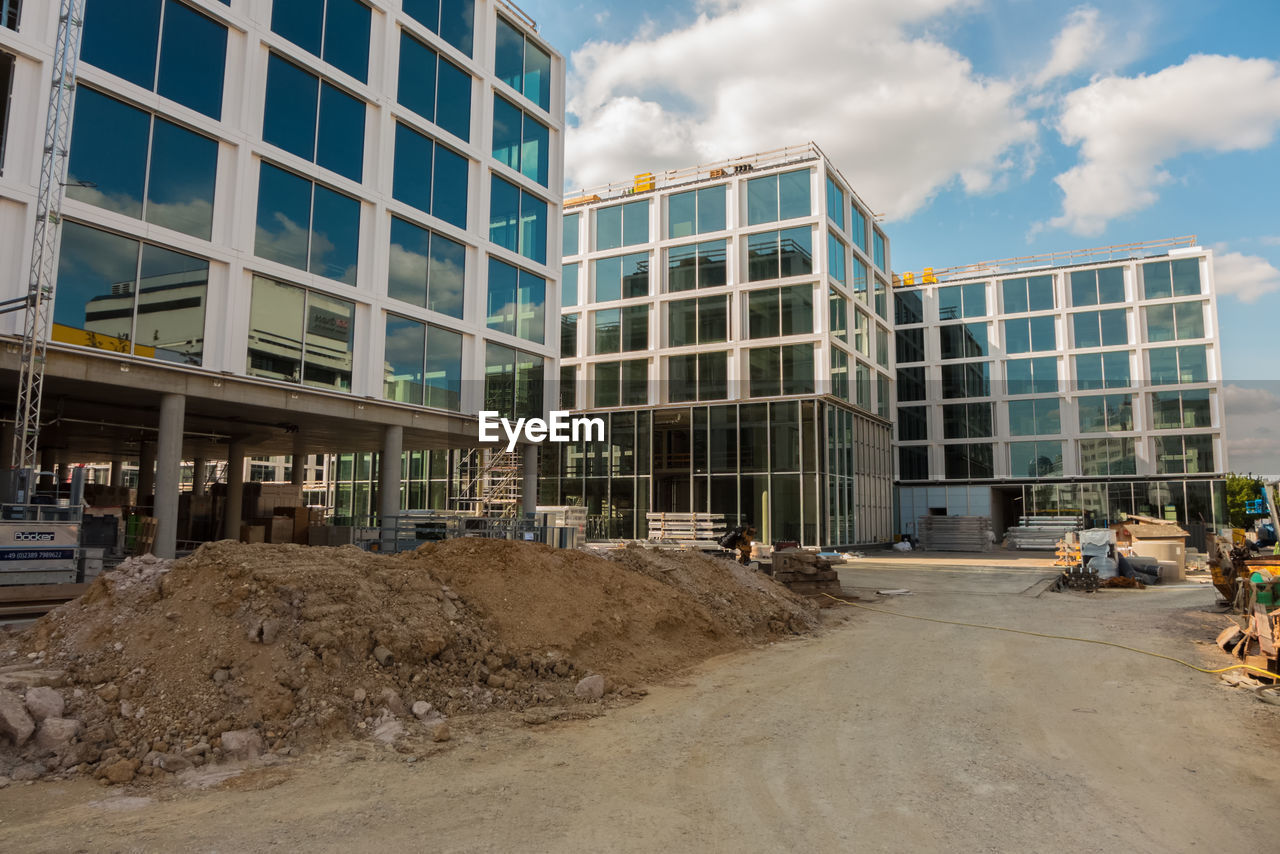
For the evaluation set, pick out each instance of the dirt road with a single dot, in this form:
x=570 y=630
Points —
x=882 y=734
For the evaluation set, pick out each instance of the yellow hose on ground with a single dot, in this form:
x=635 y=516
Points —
x=1266 y=673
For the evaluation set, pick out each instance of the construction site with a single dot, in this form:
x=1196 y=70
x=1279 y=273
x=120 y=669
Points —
x=265 y=584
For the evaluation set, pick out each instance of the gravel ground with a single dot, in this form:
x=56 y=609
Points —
x=880 y=734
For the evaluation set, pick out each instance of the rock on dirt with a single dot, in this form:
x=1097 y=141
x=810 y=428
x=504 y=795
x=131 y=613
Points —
x=44 y=702
x=56 y=733
x=591 y=688
x=15 y=723
x=241 y=743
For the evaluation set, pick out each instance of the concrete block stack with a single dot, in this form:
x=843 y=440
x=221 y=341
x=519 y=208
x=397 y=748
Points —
x=805 y=572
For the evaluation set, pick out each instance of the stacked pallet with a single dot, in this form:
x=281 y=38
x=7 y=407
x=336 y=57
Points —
x=805 y=573
x=687 y=530
x=1042 y=532
x=954 y=533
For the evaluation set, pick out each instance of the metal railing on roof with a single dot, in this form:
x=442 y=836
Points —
x=1029 y=263
x=519 y=13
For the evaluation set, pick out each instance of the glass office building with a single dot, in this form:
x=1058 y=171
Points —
x=352 y=197
x=1063 y=390
x=732 y=325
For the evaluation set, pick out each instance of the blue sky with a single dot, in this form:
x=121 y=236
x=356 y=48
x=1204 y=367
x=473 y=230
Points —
x=982 y=129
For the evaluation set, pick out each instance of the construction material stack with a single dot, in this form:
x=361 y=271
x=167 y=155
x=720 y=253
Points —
x=1041 y=533
x=955 y=533
x=687 y=530
x=805 y=572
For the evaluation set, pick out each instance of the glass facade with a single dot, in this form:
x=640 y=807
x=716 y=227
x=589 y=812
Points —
x=518 y=220
x=423 y=364
x=337 y=31
x=700 y=265
x=426 y=269
x=452 y=20
x=622 y=225
x=522 y=65
x=313 y=119
x=434 y=88
x=432 y=178
x=523 y=143
x=621 y=277
x=300 y=336
x=306 y=225
x=696 y=212
x=517 y=302
x=779 y=197
x=780 y=254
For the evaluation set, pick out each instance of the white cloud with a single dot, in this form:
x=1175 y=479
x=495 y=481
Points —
x=902 y=116
x=1127 y=127
x=1240 y=401
x=1271 y=240
x=1078 y=44
x=1245 y=277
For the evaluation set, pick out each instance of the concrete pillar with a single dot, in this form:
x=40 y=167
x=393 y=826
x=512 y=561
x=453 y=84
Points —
x=117 y=472
x=529 y=483
x=235 y=491
x=146 y=473
x=299 y=459
x=47 y=463
x=63 y=468
x=168 y=474
x=389 y=482
x=199 y=473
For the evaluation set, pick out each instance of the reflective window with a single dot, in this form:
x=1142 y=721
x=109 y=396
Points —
x=622 y=329
x=696 y=212
x=314 y=120
x=913 y=423
x=337 y=31
x=569 y=336
x=1101 y=328
x=968 y=461
x=911 y=384
x=881 y=255
x=908 y=307
x=700 y=265
x=957 y=301
x=1106 y=413
x=701 y=376
x=861 y=338
x=910 y=345
x=433 y=87
x=430 y=177
x=1030 y=335
x=622 y=277
x=1035 y=417
x=1035 y=459
x=521 y=141
x=1175 y=321
x=518 y=220
x=621 y=383
x=522 y=65
x=117 y=151
x=969 y=380
x=1102 y=370
x=1173 y=365
x=300 y=336
x=622 y=225
x=858 y=228
x=697 y=321
x=568 y=387
x=571 y=223
x=773 y=371
x=569 y=284
x=126 y=296
x=1032 y=376
x=517 y=302
x=1097 y=287
x=835 y=202
x=838 y=315
x=1177 y=410
x=7 y=62
x=836 y=252
x=839 y=373
x=882 y=346
x=1104 y=457
x=514 y=382
x=882 y=298
x=307 y=225
x=422 y=364
x=913 y=463
x=426 y=269
x=1033 y=293
x=967 y=421
x=964 y=340
x=1184 y=454
x=1163 y=279
x=780 y=311
x=780 y=254
x=166 y=47
x=10 y=13
x=858 y=279
x=778 y=197
x=453 y=20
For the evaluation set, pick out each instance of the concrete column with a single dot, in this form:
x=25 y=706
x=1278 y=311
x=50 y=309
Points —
x=117 y=472
x=299 y=474
x=235 y=491
x=64 y=467
x=199 y=472
x=389 y=482
x=47 y=463
x=168 y=474
x=146 y=473
x=529 y=483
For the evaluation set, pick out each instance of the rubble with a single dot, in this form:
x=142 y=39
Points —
x=251 y=653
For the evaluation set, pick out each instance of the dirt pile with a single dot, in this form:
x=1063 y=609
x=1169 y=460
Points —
x=240 y=650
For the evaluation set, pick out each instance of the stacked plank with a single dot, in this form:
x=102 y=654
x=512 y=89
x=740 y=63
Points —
x=687 y=530
x=955 y=533
x=1041 y=532
x=805 y=573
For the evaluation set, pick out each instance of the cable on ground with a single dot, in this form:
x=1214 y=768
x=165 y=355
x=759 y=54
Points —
x=1266 y=673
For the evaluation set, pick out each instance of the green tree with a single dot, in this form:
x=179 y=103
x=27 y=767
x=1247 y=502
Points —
x=1239 y=490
